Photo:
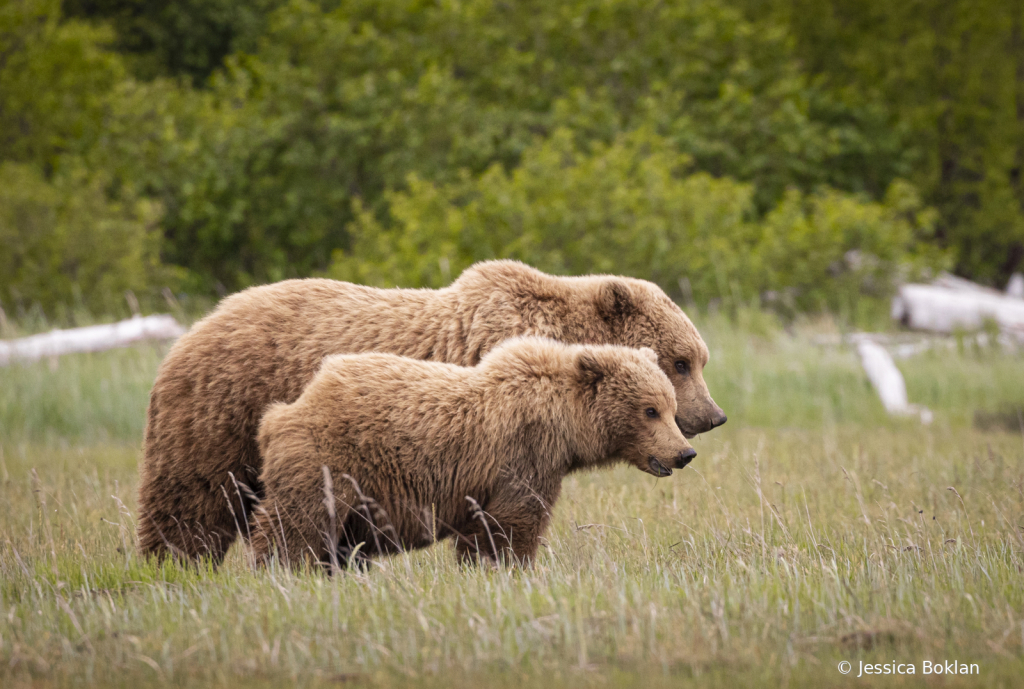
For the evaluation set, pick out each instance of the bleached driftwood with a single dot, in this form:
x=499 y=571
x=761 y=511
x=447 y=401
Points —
x=888 y=381
x=1015 y=287
x=93 y=338
x=962 y=284
x=946 y=309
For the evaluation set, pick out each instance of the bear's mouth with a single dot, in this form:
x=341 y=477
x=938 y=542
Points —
x=657 y=468
x=687 y=433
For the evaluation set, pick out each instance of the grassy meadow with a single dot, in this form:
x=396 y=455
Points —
x=811 y=529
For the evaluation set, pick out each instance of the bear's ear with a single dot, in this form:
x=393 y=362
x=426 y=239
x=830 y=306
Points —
x=591 y=370
x=650 y=354
x=615 y=300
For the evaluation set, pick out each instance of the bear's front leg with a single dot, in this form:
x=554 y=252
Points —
x=300 y=518
x=507 y=529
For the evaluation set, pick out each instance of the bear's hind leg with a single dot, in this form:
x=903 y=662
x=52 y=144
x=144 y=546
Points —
x=185 y=519
x=194 y=494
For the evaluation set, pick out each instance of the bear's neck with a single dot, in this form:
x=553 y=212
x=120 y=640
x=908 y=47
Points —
x=592 y=453
x=538 y=429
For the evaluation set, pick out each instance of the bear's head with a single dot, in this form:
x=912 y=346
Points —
x=639 y=314
x=596 y=309
x=633 y=404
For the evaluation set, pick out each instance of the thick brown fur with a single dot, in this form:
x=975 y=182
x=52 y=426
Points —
x=265 y=344
x=407 y=452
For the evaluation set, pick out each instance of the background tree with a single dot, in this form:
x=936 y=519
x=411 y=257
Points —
x=952 y=75
x=270 y=138
x=189 y=38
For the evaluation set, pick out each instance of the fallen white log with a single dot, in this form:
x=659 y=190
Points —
x=888 y=381
x=93 y=338
x=1015 y=287
x=945 y=310
x=962 y=284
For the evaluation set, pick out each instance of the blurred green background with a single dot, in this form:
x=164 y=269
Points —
x=803 y=154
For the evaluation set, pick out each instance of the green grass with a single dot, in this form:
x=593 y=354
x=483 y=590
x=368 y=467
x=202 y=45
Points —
x=811 y=529
x=81 y=399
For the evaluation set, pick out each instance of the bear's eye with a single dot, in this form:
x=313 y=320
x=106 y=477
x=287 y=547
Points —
x=651 y=412
x=683 y=367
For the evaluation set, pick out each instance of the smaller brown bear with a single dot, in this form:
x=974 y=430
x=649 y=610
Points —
x=412 y=451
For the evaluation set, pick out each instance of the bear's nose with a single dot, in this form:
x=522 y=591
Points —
x=721 y=419
x=684 y=458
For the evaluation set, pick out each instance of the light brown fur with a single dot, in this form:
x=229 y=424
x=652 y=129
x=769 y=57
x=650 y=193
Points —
x=265 y=344
x=407 y=452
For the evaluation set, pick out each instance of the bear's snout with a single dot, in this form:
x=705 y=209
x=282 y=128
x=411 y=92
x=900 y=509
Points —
x=705 y=425
x=685 y=457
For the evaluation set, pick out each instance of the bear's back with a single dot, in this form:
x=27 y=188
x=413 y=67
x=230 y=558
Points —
x=385 y=398
x=284 y=319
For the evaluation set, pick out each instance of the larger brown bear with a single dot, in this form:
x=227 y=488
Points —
x=385 y=453
x=265 y=344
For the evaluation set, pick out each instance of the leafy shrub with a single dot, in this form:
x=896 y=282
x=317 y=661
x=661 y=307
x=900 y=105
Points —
x=949 y=73
x=679 y=141
x=827 y=249
x=258 y=174
x=636 y=207
x=179 y=37
x=65 y=243
x=54 y=77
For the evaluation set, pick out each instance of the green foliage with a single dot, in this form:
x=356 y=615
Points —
x=636 y=207
x=266 y=130
x=827 y=249
x=66 y=243
x=259 y=174
x=63 y=239
x=179 y=37
x=951 y=73
x=204 y=161
x=53 y=79
x=621 y=208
